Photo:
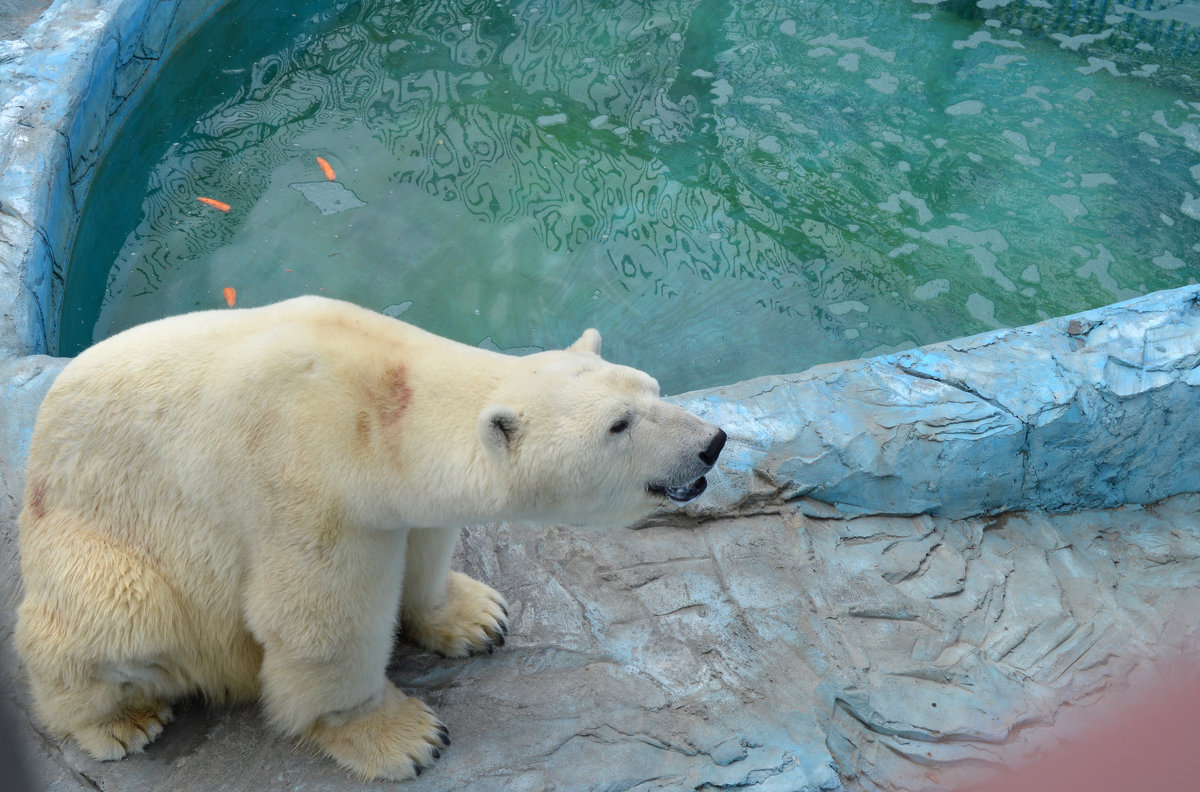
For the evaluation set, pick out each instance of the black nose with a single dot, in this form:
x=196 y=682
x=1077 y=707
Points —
x=709 y=455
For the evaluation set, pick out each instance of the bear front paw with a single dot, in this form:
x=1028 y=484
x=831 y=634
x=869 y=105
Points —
x=472 y=618
x=395 y=740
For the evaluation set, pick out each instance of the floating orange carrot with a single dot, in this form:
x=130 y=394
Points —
x=230 y=295
x=326 y=168
x=215 y=204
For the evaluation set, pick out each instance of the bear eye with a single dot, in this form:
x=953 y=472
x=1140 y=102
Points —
x=619 y=426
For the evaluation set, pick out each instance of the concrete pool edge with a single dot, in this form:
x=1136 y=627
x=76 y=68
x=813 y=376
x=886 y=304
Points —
x=65 y=88
x=1093 y=410
x=995 y=422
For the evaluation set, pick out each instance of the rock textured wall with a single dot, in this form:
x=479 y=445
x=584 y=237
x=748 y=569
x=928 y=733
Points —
x=1092 y=410
x=65 y=87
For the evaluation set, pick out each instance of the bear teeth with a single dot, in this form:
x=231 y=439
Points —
x=685 y=493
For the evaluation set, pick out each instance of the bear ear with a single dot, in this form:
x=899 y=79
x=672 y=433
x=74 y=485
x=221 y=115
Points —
x=498 y=425
x=588 y=342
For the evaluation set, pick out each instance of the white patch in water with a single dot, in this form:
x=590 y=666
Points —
x=395 y=309
x=885 y=83
x=846 y=306
x=1097 y=267
x=1168 y=261
x=330 y=197
x=1190 y=206
x=985 y=37
x=982 y=246
x=859 y=44
x=1002 y=62
x=892 y=205
x=983 y=309
x=1099 y=64
x=1073 y=43
x=723 y=90
x=770 y=145
x=1070 y=205
x=1093 y=180
x=1017 y=139
x=965 y=108
x=927 y=291
x=1186 y=130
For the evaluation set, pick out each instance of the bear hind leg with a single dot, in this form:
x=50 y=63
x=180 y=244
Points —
x=100 y=634
x=130 y=730
x=108 y=720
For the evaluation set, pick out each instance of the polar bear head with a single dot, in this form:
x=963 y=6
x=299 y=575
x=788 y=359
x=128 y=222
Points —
x=584 y=441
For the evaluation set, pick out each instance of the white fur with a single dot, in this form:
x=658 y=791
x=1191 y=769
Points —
x=241 y=503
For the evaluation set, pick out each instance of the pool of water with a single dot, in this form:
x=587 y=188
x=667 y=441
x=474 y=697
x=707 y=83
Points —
x=725 y=189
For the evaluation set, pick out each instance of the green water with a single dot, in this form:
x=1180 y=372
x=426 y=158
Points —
x=725 y=189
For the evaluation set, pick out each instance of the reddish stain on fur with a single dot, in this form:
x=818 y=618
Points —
x=362 y=427
x=36 y=504
x=397 y=394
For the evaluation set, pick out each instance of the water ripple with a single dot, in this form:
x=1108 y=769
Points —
x=727 y=189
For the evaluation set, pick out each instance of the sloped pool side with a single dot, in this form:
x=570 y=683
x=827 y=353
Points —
x=1091 y=411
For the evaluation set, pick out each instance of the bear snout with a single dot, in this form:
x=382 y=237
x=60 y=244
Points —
x=692 y=477
x=709 y=455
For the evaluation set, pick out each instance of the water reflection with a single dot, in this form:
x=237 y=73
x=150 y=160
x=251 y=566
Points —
x=726 y=189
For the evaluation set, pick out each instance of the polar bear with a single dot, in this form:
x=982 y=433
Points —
x=244 y=504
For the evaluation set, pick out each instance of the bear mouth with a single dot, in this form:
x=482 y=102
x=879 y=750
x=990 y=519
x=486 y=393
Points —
x=681 y=494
